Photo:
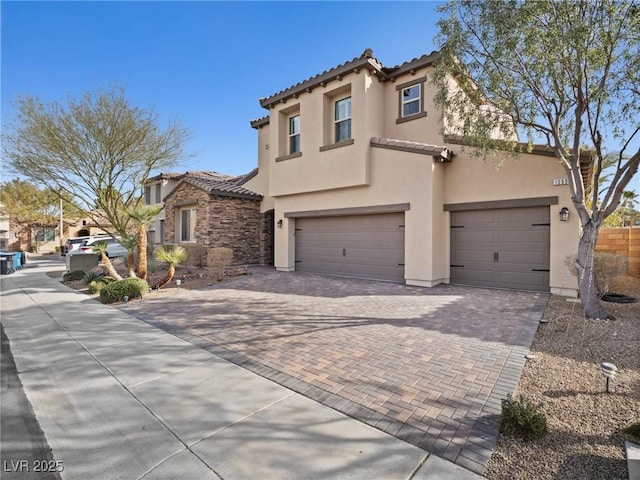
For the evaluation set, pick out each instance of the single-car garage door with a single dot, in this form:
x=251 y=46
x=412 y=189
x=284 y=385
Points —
x=504 y=248
x=362 y=246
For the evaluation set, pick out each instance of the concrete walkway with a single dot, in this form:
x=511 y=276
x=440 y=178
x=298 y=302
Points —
x=119 y=398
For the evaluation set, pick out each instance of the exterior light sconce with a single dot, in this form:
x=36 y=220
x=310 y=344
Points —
x=609 y=370
x=564 y=214
x=280 y=223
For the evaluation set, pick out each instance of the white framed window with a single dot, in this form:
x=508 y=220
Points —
x=294 y=134
x=411 y=100
x=342 y=119
x=187 y=225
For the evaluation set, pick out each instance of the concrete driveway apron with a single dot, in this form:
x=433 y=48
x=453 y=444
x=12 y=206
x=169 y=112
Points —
x=429 y=366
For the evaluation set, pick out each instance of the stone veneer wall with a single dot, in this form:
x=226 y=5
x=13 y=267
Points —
x=222 y=221
x=622 y=241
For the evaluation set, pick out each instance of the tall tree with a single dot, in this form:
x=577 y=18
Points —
x=563 y=73
x=29 y=206
x=97 y=150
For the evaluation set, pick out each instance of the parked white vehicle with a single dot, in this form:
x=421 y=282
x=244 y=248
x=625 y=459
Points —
x=114 y=248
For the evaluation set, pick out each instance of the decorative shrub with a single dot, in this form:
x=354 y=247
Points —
x=72 y=276
x=633 y=430
x=608 y=266
x=96 y=285
x=129 y=287
x=219 y=258
x=523 y=417
x=196 y=255
x=90 y=277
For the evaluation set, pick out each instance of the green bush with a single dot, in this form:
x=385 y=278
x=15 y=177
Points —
x=96 y=285
x=129 y=287
x=523 y=417
x=72 y=276
x=633 y=430
x=91 y=277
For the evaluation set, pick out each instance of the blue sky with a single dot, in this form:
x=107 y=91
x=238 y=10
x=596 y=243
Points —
x=204 y=63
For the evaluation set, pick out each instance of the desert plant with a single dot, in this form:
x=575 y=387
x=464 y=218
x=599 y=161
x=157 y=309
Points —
x=130 y=244
x=90 y=277
x=72 y=276
x=128 y=287
x=523 y=417
x=633 y=430
x=101 y=249
x=172 y=256
x=608 y=267
x=96 y=285
x=143 y=215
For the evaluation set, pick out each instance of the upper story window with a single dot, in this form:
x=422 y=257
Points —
x=411 y=100
x=294 y=134
x=147 y=195
x=158 y=192
x=342 y=119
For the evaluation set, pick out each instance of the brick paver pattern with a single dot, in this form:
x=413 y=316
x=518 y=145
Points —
x=429 y=366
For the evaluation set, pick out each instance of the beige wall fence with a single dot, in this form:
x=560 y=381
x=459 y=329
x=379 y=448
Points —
x=622 y=241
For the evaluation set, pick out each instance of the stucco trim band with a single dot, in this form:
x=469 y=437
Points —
x=514 y=203
x=336 y=212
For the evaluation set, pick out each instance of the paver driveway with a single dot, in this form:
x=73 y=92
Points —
x=426 y=365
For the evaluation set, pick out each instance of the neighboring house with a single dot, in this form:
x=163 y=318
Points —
x=216 y=210
x=362 y=182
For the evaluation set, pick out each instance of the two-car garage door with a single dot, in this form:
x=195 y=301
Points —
x=504 y=248
x=362 y=246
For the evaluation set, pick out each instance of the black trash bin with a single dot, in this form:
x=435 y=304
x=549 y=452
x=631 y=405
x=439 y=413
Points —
x=3 y=265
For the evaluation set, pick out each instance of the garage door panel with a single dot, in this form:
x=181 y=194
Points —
x=504 y=248
x=366 y=246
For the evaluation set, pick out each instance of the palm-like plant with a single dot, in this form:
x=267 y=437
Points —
x=130 y=244
x=143 y=215
x=101 y=249
x=173 y=256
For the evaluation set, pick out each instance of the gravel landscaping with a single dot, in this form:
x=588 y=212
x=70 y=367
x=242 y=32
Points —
x=585 y=439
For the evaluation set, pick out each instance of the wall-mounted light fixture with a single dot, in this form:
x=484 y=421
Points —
x=564 y=214
x=280 y=223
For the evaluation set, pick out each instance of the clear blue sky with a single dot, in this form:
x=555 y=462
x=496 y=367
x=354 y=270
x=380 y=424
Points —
x=204 y=63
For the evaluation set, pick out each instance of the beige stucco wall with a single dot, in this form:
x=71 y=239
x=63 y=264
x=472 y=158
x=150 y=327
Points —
x=358 y=175
x=470 y=179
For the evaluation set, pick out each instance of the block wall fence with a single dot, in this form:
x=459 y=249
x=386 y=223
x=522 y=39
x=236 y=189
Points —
x=622 y=241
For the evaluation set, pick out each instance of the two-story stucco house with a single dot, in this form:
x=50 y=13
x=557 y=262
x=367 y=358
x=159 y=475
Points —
x=363 y=181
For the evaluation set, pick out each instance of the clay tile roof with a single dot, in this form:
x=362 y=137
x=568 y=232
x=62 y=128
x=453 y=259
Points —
x=366 y=60
x=220 y=184
x=439 y=151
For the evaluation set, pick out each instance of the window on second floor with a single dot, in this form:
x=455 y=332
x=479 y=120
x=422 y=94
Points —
x=158 y=193
x=342 y=119
x=294 y=134
x=147 y=195
x=411 y=100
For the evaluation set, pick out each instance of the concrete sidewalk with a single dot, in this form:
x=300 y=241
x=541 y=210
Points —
x=118 y=398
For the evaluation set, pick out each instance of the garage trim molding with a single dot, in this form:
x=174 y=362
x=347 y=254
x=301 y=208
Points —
x=335 y=212
x=515 y=203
